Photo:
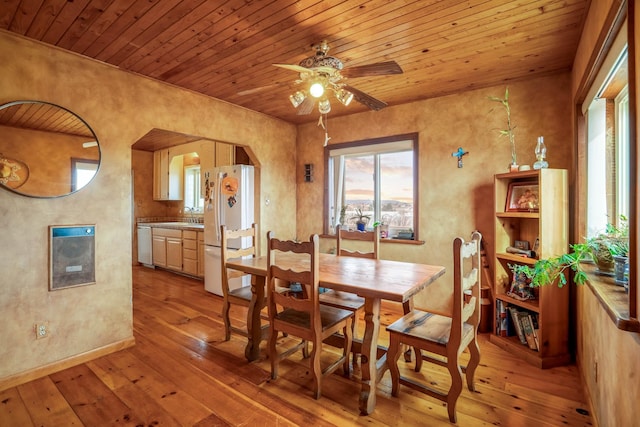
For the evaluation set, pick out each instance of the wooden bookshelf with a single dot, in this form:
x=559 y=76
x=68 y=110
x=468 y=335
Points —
x=548 y=222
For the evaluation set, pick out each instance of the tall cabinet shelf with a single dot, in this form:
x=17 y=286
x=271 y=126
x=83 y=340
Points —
x=548 y=224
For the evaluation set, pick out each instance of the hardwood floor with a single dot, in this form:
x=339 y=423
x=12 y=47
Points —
x=181 y=372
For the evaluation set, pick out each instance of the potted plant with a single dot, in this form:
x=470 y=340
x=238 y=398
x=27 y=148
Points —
x=361 y=219
x=605 y=246
x=343 y=211
x=508 y=132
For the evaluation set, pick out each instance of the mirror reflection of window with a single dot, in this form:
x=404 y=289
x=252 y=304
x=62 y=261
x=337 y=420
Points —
x=82 y=172
x=192 y=195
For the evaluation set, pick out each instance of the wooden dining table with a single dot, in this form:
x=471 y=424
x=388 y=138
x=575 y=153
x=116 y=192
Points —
x=374 y=280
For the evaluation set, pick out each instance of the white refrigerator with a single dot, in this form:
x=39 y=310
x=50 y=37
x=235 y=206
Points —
x=229 y=200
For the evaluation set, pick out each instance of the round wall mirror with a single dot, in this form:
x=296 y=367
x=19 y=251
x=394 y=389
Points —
x=45 y=150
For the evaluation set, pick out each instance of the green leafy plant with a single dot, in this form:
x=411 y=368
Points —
x=547 y=271
x=508 y=132
x=613 y=242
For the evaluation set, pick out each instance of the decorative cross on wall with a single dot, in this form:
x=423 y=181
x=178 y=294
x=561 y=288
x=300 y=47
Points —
x=459 y=155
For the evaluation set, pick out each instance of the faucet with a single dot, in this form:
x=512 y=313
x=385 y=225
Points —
x=192 y=216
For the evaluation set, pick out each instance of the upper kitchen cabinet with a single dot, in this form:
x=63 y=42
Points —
x=225 y=154
x=167 y=175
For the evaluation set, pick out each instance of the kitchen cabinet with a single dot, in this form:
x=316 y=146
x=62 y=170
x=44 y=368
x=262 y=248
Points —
x=167 y=175
x=200 y=254
x=543 y=225
x=167 y=248
x=159 y=250
x=190 y=252
x=225 y=154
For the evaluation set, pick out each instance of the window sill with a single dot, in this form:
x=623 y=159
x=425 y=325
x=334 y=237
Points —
x=385 y=240
x=613 y=299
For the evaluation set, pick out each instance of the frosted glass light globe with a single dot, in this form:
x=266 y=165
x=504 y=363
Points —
x=316 y=90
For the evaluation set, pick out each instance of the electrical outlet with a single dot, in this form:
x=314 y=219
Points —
x=41 y=329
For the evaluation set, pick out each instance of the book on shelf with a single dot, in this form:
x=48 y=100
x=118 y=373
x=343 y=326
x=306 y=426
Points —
x=533 y=318
x=502 y=319
x=527 y=327
x=517 y=325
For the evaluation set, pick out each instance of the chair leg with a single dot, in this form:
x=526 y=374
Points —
x=346 y=351
x=273 y=353
x=456 y=385
x=354 y=335
x=316 y=369
x=227 y=321
x=418 y=359
x=393 y=354
x=474 y=361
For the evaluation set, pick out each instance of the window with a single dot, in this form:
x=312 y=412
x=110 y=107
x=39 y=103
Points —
x=82 y=172
x=192 y=195
x=376 y=179
x=608 y=150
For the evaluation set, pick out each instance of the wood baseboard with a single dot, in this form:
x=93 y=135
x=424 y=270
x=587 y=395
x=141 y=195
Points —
x=41 y=371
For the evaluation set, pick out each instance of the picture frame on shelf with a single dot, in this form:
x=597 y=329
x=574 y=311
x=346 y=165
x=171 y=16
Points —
x=523 y=197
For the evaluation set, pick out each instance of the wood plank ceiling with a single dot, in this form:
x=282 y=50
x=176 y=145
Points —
x=224 y=48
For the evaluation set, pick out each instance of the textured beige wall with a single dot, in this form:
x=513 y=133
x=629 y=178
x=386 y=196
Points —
x=120 y=108
x=453 y=201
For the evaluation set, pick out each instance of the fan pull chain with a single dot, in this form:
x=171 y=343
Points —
x=326 y=133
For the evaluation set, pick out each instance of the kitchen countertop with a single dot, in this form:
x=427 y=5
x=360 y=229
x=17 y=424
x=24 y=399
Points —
x=174 y=225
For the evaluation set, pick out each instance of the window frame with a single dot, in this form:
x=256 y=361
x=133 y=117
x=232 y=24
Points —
x=413 y=137
x=75 y=162
x=197 y=193
x=621 y=309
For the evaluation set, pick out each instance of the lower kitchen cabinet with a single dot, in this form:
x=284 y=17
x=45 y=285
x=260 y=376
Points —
x=200 y=254
x=181 y=250
x=167 y=248
x=159 y=250
x=190 y=252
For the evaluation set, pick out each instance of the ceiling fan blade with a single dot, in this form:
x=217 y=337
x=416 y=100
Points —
x=365 y=99
x=263 y=88
x=297 y=68
x=306 y=107
x=377 y=69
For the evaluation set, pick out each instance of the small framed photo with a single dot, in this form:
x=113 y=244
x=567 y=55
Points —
x=523 y=197
x=521 y=244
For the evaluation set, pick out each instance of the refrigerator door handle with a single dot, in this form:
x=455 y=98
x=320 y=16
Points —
x=217 y=203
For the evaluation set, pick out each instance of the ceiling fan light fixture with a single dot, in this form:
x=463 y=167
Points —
x=324 y=106
x=316 y=89
x=297 y=98
x=344 y=96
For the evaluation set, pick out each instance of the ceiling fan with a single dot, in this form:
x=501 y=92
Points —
x=320 y=74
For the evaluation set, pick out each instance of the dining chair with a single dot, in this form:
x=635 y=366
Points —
x=347 y=300
x=301 y=314
x=441 y=335
x=239 y=296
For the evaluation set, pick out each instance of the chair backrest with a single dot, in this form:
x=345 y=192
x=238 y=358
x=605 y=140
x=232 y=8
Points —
x=466 y=290
x=305 y=271
x=231 y=253
x=363 y=236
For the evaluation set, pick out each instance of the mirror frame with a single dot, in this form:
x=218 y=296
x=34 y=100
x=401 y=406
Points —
x=77 y=121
